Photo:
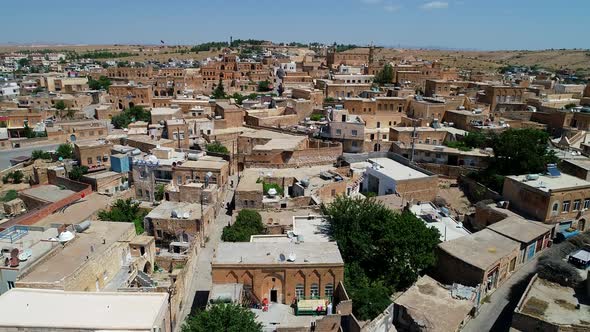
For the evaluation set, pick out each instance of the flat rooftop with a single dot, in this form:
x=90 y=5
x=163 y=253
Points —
x=520 y=229
x=553 y=303
x=164 y=210
x=165 y=111
x=431 y=303
x=102 y=175
x=448 y=227
x=582 y=163
x=285 y=216
x=48 y=193
x=481 y=249
x=50 y=309
x=33 y=239
x=277 y=253
x=207 y=162
x=282 y=315
x=444 y=149
x=395 y=170
x=68 y=259
x=93 y=143
x=550 y=183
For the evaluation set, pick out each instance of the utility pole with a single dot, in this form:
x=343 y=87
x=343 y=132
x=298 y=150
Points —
x=413 y=140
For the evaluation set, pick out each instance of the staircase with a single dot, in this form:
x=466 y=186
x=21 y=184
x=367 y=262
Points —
x=144 y=279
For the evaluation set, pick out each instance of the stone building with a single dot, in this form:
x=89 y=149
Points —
x=280 y=271
x=503 y=97
x=93 y=154
x=560 y=200
x=385 y=176
x=178 y=222
x=93 y=260
x=484 y=258
x=196 y=171
x=129 y=95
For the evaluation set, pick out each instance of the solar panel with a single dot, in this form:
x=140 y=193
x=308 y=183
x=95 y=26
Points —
x=553 y=171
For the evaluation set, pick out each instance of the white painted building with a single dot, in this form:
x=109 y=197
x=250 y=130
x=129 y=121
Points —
x=9 y=90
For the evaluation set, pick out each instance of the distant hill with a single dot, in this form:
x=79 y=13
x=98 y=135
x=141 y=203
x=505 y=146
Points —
x=578 y=60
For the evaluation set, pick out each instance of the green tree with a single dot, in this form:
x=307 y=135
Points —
x=388 y=249
x=216 y=147
x=9 y=195
x=77 y=172
x=476 y=139
x=219 y=91
x=385 y=75
x=248 y=223
x=316 y=117
x=129 y=115
x=264 y=86
x=223 y=317
x=521 y=151
x=103 y=82
x=125 y=211
x=29 y=133
x=40 y=154
x=24 y=62
x=60 y=105
x=65 y=151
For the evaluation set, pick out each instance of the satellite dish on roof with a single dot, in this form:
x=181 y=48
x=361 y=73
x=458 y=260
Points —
x=65 y=236
x=272 y=192
x=185 y=215
x=291 y=257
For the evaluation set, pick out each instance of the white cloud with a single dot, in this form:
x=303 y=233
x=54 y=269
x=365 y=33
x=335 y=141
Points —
x=390 y=7
x=371 y=2
x=435 y=5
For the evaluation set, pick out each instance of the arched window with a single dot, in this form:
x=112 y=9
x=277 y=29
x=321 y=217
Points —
x=329 y=291
x=555 y=207
x=314 y=291
x=300 y=291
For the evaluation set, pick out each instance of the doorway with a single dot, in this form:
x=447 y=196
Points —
x=273 y=295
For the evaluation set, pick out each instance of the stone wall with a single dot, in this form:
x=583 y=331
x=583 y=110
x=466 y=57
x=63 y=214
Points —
x=422 y=189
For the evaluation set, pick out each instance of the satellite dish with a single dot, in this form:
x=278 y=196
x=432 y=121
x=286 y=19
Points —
x=185 y=215
x=281 y=257
x=272 y=192
x=292 y=257
x=65 y=236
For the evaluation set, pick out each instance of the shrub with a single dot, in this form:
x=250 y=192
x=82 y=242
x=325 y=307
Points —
x=217 y=147
x=9 y=195
x=77 y=172
x=316 y=117
x=14 y=177
x=40 y=154
x=248 y=223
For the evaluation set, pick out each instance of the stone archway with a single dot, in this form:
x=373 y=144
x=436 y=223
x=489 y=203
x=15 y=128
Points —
x=582 y=225
x=272 y=288
x=231 y=277
x=147 y=268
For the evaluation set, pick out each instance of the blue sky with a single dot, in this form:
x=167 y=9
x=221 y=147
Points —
x=467 y=24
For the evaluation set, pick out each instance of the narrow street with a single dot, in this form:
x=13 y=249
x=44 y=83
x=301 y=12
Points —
x=496 y=314
x=202 y=284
